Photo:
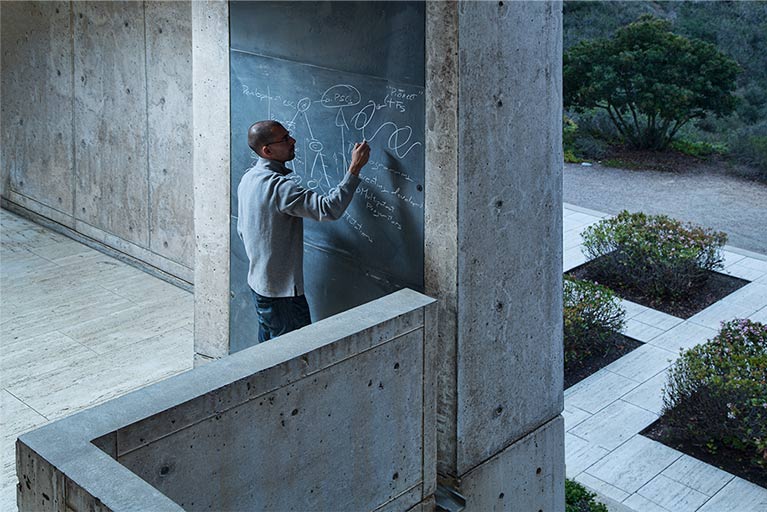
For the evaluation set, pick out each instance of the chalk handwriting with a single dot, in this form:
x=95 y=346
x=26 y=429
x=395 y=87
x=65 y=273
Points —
x=386 y=188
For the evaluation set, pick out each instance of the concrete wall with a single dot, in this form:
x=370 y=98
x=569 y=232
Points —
x=210 y=72
x=493 y=247
x=336 y=416
x=96 y=123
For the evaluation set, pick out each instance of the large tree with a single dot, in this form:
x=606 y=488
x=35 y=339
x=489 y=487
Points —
x=649 y=80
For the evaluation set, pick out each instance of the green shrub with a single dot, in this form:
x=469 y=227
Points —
x=580 y=499
x=716 y=393
x=590 y=147
x=592 y=314
x=749 y=145
x=654 y=254
x=698 y=148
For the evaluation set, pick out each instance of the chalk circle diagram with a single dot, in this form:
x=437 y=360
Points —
x=341 y=95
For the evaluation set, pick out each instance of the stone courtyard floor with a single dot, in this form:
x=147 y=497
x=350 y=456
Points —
x=605 y=412
x=77 y=328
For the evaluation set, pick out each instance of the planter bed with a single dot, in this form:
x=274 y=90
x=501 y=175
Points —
x=617 y=347
x=733 y=461
x=717 y=286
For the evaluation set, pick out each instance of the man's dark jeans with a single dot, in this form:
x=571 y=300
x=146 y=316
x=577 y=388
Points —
x=280 y=315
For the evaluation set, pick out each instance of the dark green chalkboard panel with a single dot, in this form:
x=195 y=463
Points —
x=328 y=102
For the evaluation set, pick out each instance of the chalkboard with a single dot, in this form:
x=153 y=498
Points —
x=377 y=246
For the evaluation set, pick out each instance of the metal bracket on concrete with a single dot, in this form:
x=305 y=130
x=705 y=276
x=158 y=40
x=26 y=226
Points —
x=448 y=500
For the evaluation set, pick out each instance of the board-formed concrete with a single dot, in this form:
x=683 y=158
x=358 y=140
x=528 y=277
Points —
x=210 y=76
x=527 y=476
x=37 y=155
x=96 y=123
x=335 y=416
x=169 y=137
x=494 y=188
x=110 y=120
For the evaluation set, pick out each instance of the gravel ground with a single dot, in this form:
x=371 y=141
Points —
x=704 y=196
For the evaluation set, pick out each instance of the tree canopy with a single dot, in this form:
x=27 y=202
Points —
x=650 y=81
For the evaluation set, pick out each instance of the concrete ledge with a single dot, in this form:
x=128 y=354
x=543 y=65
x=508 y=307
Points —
x=338 y=415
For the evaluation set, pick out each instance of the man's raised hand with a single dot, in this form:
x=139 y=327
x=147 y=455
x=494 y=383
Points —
x=360 y=156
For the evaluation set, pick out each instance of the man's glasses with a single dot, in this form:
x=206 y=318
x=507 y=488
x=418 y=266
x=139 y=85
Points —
x=286 y=138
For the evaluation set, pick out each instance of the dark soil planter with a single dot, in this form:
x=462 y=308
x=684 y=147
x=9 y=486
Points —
x=716 y=287
x=616 y=347
x=737 y=462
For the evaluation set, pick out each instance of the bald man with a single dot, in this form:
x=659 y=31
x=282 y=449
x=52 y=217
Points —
x=270 y=223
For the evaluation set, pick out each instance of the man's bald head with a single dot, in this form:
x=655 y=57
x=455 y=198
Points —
x=260 y=134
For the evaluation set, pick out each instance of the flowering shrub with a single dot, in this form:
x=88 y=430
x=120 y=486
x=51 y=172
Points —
x=655 y=254
x=580 y=499
x=716 y=392
x=592 y=313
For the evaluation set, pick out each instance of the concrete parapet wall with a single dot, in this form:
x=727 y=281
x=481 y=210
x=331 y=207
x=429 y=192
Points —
x=339 y=415
x=96 y=123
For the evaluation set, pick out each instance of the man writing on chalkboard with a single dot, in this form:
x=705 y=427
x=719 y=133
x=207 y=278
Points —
x=270 y=223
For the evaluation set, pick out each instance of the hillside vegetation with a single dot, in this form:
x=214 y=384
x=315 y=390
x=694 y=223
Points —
x=737 y=29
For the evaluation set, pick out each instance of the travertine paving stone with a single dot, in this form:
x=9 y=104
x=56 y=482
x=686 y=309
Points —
x=50 y=282
x=601 y=486
x=39 y=355
x=597 y=391
x=658 y=319
x=580 y=454
x=697 y=475
x=137 y=323
x=729 y=258
x=744 y=269
x=632 y=308
x=643 y=363
x=738 y=495
x=634 y=463
x=641 y=331
x=672 y=495
x=101 y=377
x=753 y=295
x=713 y=316
x=684 y=336
x=640 y=503
x=649 y=394
x=759 y=316
x=614 y=425
x=573 y=416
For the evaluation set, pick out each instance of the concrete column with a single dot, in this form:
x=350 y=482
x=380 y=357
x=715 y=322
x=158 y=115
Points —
x=210 y=76
x=494 y=248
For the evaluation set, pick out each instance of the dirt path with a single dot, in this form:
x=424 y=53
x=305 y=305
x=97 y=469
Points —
x=704 y=196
